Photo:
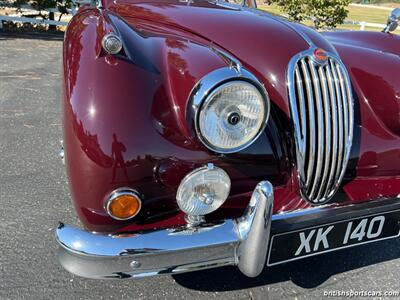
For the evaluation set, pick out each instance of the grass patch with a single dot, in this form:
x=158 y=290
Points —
x=358 y=14
x=371 y=15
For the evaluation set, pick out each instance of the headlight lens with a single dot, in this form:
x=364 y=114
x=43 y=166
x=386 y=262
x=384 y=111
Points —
x=203 y=191
x=232 y=117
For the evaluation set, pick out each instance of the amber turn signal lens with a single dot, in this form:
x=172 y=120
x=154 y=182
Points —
x=123 y=205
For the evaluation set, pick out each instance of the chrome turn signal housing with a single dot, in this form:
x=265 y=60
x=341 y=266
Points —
x=111 y=43
x=123 y=204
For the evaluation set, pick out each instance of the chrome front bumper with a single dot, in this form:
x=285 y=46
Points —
x=242 y=242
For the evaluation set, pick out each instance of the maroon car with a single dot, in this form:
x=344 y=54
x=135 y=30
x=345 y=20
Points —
x=200 y=134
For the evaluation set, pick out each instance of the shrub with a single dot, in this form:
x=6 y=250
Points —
x=45 y=5
x=323 y=13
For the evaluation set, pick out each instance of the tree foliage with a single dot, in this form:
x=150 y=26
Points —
x=324 y=13
x=45 y=5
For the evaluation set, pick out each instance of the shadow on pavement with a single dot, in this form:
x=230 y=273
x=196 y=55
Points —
x=46 y=36
x=306 y=273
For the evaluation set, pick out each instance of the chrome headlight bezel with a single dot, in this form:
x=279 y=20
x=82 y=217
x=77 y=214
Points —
x=211 y=83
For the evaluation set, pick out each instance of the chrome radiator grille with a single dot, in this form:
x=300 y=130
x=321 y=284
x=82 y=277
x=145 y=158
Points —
x=321 y=107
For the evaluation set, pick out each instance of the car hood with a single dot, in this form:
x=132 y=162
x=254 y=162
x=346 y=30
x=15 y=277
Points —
x=262 y=42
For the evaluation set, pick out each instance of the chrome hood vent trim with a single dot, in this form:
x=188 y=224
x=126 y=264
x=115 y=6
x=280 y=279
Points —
x=321 y=105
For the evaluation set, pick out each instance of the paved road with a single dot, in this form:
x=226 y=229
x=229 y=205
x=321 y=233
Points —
x=34 y=197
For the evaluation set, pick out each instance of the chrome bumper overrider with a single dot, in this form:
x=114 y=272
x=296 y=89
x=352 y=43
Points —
x=242 y=242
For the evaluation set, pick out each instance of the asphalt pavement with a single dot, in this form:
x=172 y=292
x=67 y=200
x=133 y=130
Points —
x=35 y=197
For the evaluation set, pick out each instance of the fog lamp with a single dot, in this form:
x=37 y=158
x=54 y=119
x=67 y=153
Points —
x=203 y=191
x=123 y=204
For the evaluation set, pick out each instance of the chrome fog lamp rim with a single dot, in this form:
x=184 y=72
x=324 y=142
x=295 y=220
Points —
x=190 y=182
x=259 y=87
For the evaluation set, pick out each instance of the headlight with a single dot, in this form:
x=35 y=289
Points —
x=203 y=190
x=232 y=116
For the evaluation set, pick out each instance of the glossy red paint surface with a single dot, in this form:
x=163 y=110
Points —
x=372 y=60
x=125 y=121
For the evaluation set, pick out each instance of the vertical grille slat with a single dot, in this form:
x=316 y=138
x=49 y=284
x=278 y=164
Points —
x=311 y=140
x=320 y=129
x=344 y=101
x=327 y=115
x=302 y=128
x=303 y=118
x=340 y=122
x=335 y=128
x=346 y=115
x=321 y=106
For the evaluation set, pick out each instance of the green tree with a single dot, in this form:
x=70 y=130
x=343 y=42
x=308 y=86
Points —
x=323 y=13
x=45 y=5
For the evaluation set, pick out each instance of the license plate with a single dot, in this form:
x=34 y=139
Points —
x=311 y=241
